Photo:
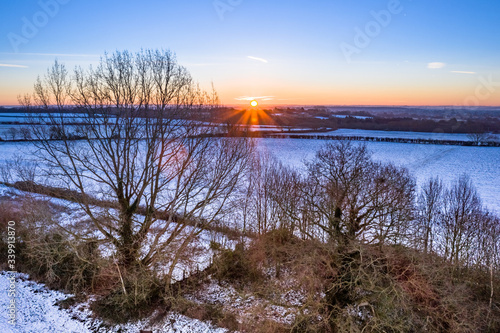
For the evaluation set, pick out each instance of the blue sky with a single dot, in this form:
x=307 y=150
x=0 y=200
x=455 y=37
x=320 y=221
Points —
x=294 y=52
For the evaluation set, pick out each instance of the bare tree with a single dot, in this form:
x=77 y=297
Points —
x=25 y=133
x=462 y=213
x=286 y=186
x=478 y=138
x=12 y=132
x=20 y=171
x=141 y=150
x=261 y=207
x=487 y=256
x=429 y=211
x=353 y=197
x=268 y=193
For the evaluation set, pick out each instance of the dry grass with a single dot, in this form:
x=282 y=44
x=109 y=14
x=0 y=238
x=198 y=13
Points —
x=364 y=289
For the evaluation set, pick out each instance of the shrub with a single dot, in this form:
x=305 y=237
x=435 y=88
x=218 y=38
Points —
x=45 y=252
x=212 y=312
x=279 y=245
x=60 y=263
x=142 y=293
x=235 y=266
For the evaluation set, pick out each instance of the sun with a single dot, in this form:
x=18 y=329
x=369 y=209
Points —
x=254 y=103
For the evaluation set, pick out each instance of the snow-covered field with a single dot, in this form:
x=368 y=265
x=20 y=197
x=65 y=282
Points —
x=399 y=134
x=482 y=164
x=37 y=312
x=22 y=117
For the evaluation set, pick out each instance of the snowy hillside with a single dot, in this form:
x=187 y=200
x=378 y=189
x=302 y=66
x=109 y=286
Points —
x=38 y=312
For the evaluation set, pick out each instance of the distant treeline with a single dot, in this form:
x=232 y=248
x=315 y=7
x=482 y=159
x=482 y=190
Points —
x=465 y=122
x=373 y=121
x=377 y=139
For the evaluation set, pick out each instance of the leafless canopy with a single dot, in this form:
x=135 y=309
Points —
x=351 y=196
x=123 y=132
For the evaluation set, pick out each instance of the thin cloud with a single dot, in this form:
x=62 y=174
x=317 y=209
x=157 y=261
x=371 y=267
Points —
x=13 y=66
x=436 y=65
x=250 y=98
x=258 y=59
x=463 y=72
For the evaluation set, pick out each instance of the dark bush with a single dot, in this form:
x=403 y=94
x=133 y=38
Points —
x=236 y=266
x=308 y=324
x=143 y=293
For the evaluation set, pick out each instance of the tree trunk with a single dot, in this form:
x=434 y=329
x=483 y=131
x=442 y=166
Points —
x=341 y=293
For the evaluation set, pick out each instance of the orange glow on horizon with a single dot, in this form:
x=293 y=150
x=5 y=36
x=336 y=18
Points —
x=410 y=93
x=336 y=95
x=401 y=97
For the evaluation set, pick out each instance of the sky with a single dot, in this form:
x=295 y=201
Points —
x=323 y=52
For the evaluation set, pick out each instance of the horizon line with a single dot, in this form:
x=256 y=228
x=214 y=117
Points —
x=334 y=105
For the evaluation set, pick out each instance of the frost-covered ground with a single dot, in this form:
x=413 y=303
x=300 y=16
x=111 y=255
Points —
x=244 y=304
x=282 y=305
x=37 y=312
x=35 y=309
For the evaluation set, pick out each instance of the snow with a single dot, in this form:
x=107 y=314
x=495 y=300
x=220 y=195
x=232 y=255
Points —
x=285 y=300
x=21 y=117
x=37 y=312
x=398 y=134
x=36 y=306
x=244 y=305
x=36 y=309
x=423 y=161
x=6 y=191
x=350 y=116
